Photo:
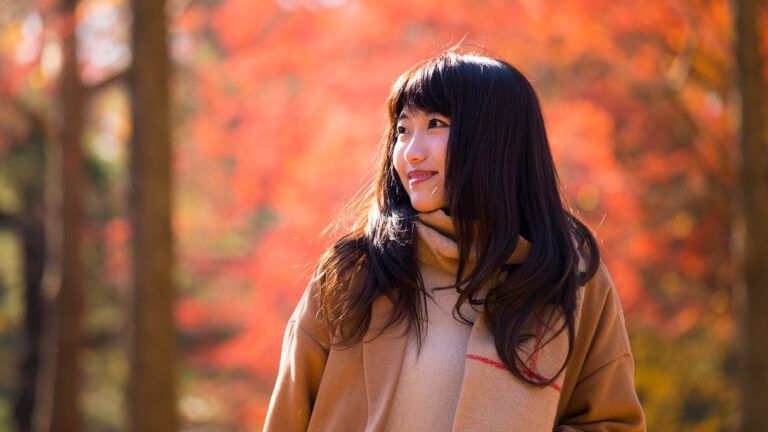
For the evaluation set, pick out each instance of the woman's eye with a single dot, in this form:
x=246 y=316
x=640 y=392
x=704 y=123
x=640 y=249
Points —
x=401 y=130
x=433 y=123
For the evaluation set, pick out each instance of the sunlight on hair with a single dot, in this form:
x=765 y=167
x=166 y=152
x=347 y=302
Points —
x=481 y=60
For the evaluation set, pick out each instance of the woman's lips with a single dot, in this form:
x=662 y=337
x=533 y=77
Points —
x=418 y=176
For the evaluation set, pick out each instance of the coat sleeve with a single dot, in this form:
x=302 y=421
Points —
x=302 y=361
x=598 y=392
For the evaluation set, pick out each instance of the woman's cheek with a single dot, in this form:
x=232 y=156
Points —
x=398 y=162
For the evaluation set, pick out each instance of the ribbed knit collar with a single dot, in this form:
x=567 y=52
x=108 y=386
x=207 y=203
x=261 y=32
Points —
x=437 y=248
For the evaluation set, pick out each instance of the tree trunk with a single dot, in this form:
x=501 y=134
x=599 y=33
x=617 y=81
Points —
x=32 y=236
x=152 y=383
x=31 y=230
x=58 y=392
x=754 y=194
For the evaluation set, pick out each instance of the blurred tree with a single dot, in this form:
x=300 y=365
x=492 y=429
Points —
x=152 y=382
x=58 y=386
x=22 y=164
x=754 y=203
x=277 y=120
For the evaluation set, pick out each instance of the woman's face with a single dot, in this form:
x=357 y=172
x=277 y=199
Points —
x=419 y=157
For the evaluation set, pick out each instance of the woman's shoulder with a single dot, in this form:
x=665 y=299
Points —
x=309 y=314
x=602 y=314
x=601 y=282
x=600 y=288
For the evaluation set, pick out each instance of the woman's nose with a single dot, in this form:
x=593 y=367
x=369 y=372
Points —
x=416 y=148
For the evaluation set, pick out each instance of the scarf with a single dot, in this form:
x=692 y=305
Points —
x=491 y=397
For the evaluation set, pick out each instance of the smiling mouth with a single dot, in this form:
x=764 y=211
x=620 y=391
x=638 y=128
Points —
x=416 y=177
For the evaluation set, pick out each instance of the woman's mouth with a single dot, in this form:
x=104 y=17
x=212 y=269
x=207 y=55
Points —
x=418 y=176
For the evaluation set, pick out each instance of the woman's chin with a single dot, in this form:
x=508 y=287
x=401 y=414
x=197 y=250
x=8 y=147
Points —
x=426 y=207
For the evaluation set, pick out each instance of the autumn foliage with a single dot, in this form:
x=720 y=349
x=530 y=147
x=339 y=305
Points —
x=278 y=114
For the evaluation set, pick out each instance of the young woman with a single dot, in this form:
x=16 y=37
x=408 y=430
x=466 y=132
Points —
x=468 y=298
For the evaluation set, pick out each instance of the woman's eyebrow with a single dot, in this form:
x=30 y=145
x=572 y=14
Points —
x=404 y=115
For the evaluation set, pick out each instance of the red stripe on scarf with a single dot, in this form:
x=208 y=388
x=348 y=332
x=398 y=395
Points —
x=528 y=374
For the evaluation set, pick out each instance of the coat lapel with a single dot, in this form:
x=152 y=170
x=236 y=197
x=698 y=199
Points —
x=382 y=360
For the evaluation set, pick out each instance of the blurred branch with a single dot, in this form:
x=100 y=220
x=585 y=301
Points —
x=118 y=77
x=8 y=221
x=104 y=338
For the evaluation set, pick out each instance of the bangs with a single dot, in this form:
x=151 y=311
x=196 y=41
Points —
x=424 y=89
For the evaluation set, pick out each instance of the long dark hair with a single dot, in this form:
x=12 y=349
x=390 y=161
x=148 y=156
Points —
x=501 y=183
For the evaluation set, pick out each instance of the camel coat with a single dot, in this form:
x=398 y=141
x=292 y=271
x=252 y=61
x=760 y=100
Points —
x=320 y=388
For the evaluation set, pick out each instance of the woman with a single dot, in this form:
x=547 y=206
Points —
x=467 y=298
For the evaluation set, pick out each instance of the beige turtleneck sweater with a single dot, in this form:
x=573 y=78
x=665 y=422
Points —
x=430 y=380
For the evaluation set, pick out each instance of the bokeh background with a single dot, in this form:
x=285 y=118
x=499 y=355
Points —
x=277 y=111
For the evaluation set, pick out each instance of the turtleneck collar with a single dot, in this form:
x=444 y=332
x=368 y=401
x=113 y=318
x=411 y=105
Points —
x=436 y=245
